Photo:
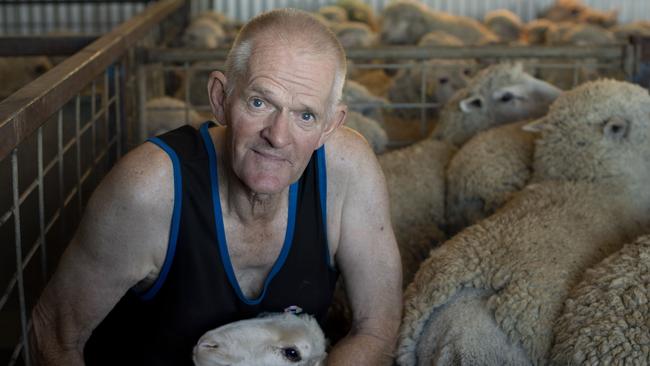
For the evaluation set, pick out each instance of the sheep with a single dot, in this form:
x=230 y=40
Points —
x=605 y=318
x=536 y=30
x=16 y=72
x=533 y=250
x=369 y=129
x=576 y=11
x=486 y=170
x=505 y=24
x=499 y=94
x=333 y=13
x=442 y=78
x=360 y=99
x=275 y=339
x=358 y=11
x=415 y=180
x=406 y=21
x=439 y=38
x=230 y=26
x=639 y=28
x=203 y=32
x=166 y=113
x=354 y=34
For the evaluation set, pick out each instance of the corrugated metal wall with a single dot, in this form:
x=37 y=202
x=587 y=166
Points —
x=629 y=10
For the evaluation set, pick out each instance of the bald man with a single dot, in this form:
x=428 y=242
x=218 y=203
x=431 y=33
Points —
x=198 y=228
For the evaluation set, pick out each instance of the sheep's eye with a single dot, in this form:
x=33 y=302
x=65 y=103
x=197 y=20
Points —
x=443 y=80
x=291 y=354
x=507 y=97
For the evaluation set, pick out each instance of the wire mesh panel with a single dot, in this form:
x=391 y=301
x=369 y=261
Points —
x=59 y=135
x=31 y=17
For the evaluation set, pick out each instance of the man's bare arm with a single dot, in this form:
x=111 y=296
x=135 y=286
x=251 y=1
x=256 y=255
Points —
x=121 y=241
x=369 y=260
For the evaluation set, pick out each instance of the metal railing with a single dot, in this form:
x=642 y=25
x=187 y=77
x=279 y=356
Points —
x=59 y=135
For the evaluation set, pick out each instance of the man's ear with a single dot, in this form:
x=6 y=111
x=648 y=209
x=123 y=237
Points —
x=334 y=123
x=217 y=94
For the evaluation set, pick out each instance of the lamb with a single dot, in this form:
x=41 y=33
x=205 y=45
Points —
x=369 y=129
x=442 y=78
x=505 y=24
x=277 y=339
x=16 y=72
x=576 y=11
x=415 y=180
x=605 y=318
x=536 y=30
x=484 y=173
x=534 y=249
x=360 y=99
x=406 y=21
x=166 y=113
x=203 y=32
x=499 y=94
x=354 y=34
x=358 y=11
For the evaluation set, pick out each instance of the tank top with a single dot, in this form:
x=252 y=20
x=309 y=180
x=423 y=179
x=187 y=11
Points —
x=196 y=290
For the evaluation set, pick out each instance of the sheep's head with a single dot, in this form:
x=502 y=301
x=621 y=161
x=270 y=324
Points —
x=500 y=94
x=597 y=132
x=565 y=10
x=405 y=22
x=274 y=340
x=203 y=33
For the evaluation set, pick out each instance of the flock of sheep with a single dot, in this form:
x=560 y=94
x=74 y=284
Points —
x=522 y=219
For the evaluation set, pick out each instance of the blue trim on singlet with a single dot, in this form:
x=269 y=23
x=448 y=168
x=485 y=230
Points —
x=221 y=232
x=322 y=193
x=176 y=219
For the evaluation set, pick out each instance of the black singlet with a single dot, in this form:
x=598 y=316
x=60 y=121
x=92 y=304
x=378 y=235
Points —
x=196 y=290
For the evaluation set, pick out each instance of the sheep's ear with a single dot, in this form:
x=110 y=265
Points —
x=471 y=104
x=536 y=126
x=616 y=128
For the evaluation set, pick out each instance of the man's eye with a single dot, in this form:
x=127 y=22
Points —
x=257 y=102
x=307 y=117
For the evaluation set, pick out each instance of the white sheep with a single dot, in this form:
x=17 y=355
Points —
x=499 y=94
x=369 y=129
x=354 y=34
x=486 y=170
x=360 y=99
x=277 y=339
x=441 y=79
x=606 y=317
x=576 y=11
x=505 y=24
x=333 y=13
x=590 y=196
x=166 y=113
x=416 y=187
x=406 y=21
x=203 y=32
x=16 y=72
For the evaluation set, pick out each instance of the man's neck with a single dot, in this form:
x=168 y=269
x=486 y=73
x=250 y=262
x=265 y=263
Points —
x=251 y=206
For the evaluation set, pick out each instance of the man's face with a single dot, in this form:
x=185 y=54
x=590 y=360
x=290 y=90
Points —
x=277 y=116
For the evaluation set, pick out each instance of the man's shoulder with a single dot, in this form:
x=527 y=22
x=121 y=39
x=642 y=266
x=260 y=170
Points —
x=346 y=149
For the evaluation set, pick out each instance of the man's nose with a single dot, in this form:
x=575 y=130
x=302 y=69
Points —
x=276 y=132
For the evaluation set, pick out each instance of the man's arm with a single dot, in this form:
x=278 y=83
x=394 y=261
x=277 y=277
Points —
x=121 y=240
x=368 y=258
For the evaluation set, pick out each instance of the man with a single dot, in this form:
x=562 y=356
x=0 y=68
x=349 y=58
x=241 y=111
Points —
x=200 y=228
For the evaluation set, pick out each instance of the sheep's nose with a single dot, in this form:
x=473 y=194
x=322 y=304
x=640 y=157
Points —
x=208 y=344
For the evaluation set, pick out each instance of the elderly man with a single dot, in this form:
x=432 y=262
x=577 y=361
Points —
x=196 y=229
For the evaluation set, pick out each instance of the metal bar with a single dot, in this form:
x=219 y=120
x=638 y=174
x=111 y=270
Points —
x=609 y=52
x=19 y=255
x=78 y=155
x=118 y=119
x=27 y=109
x=41 y=205
x=60 y=153
x=48 y=45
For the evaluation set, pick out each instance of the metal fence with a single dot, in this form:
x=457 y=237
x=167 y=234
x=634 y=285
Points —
x=59 y=135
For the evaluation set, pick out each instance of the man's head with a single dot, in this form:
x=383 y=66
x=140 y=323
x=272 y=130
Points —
x=280 y=97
